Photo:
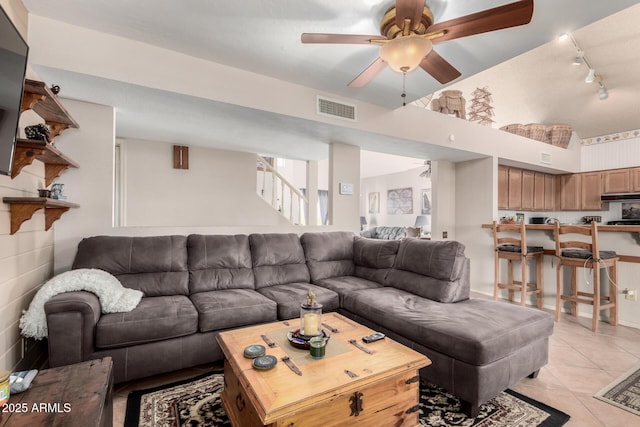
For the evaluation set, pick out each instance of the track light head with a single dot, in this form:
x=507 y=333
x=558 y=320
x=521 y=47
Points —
x=579 y=59
x=603 y=93
x=591 y=76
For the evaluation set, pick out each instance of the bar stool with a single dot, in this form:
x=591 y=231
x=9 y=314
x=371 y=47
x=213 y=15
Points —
x=580 y=254
x=516 y=249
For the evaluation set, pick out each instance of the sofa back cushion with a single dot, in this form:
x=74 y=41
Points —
x=219 y=262
x=277 y=259
x=329 y=254
x=437 y=270
x=155 y=265
x=373 y=259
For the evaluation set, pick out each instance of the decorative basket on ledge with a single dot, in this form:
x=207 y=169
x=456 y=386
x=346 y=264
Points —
x=515 y=128
x=537 y=131
x=560 y=135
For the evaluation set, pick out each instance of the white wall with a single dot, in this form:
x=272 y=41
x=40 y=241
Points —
x=219 y=188
x=611 y=155
x=91 y=186
x=382 y=184
x=344 y=168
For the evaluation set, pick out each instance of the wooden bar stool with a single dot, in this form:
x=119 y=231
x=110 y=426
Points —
x=513 y=247
x=585 y=254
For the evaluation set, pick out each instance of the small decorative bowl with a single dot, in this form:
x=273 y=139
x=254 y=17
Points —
x=253 y=351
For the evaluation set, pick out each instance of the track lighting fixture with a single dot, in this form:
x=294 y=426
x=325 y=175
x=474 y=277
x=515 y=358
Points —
x=579 y=59
x=592 y=75
x=602 y=92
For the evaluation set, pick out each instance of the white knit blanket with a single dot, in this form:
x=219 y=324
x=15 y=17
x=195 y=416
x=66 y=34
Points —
x=114 y=298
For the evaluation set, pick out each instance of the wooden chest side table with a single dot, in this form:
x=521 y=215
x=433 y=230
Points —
x=67 y=396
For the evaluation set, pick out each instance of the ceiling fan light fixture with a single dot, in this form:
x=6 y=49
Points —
x=405 y=53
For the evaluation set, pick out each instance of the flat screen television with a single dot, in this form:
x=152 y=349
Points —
x=13 y=66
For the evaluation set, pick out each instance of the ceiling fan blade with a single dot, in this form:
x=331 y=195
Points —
x=409 y=9
x=439 y=68
x=368 y=74
x=498 y=18
x=339 y=38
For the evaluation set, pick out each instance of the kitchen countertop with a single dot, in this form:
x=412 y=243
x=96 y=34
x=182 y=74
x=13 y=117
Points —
x=604 y=228
x=633 y=229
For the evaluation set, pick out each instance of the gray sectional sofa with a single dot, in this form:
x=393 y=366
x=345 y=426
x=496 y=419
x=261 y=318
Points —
x=415 y=291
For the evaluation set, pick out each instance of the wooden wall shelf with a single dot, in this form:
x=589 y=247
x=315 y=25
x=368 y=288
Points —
x=23 y=208
x=55 y=162
x=39 y=98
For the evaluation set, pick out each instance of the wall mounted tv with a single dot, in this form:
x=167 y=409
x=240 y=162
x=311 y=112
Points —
x=13 y=65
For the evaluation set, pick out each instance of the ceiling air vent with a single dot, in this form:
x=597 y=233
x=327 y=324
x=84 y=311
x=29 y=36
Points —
x=545 y=158
x=329 y=107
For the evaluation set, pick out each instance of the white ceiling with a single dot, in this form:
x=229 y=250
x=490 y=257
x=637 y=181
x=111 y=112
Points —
x=263 y=36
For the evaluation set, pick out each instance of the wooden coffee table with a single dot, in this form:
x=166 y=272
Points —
x=373 y=384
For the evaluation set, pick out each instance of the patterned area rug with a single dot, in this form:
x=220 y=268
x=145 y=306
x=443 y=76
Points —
x=623 y=392
x=196 y=403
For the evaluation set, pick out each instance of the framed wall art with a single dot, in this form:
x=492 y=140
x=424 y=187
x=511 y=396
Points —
x=425 y=202
x=374 y=203
x=400 y=201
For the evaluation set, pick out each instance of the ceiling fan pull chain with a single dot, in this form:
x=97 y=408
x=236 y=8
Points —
x=404 y=91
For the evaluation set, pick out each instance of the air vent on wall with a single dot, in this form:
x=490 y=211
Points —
x=545 y=158
x=339 y=110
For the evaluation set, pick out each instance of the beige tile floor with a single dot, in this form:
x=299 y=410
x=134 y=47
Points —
x=580 y=364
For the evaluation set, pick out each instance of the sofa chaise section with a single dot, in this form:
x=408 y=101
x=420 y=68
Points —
x=478 y=348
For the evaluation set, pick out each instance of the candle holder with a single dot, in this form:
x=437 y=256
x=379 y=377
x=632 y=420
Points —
x=310 y=316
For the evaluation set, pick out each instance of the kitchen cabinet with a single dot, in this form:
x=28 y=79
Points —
x=617 y=181
x=581 y=191
x=591 y=190
x=527 y=190
x=515 y=188
x=570 y=192
x=503 y=187
x=550 y=193
x=634 y=176
x=538 y=191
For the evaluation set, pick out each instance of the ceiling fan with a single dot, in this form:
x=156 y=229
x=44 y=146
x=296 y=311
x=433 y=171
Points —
x=408 y=33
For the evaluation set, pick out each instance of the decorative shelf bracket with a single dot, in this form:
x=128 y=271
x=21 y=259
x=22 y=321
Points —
x=23 y=157
x=56 y=128
x=20 y=214
x=29 y=100
x=51 y=215
x=52 y=171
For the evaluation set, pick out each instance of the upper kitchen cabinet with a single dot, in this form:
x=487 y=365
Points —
x=635 y=179
x=617 y=181
x=591 y=191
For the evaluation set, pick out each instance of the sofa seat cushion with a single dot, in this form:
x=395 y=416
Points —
x=474 y=331
x=587 y=255
x=154 y=319
x=344 y=284
x=290 y=296
x=231 y=308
